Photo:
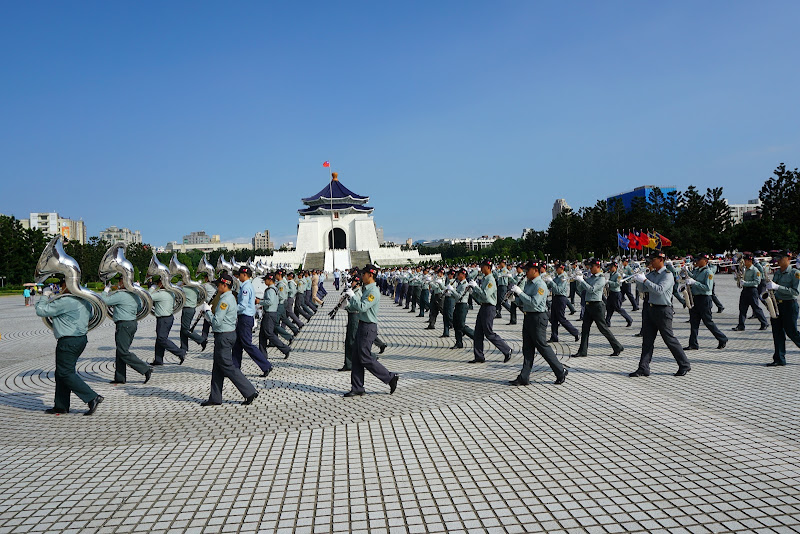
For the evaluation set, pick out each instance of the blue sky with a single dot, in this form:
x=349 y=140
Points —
x=457 y=118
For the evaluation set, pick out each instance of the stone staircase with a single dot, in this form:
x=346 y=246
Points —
x=359 y=258
x=314 y=261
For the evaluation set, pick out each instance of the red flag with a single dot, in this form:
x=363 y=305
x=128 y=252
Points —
x=633 y=241
x=643 y=239
x=326 y=163
x=664 y=241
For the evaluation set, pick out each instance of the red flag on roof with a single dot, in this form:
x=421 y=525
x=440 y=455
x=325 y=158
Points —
x=326 y=163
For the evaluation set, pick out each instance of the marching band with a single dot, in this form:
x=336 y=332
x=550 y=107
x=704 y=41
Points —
x=230 y=308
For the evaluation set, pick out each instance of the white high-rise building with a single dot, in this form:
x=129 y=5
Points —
x=261 y=241
x=739 y=211
x=113 y=234
x=560 y=206
x=52 y=224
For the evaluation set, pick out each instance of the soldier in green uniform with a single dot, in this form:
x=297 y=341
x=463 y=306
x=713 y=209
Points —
x=282 y=286
x=751 y=281
x=425 y=293
x=367 y=307
x=461 y=295
x=162 y=309
x=784 y=285
x=701 y=284
x=615 y=296
x=269 y=303
x=502 y=275
x=187 y=314
x=223 y=322
x=125 y=305
x=448 y=304
x=595 y=308
x=436 y=286
x=211 y=292
x=559 y=286
x=70 y=317
x=532 y=298
x=485 y=294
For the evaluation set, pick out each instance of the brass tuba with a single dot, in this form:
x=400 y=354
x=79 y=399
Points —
x=157 y=268
x=54 y=260
x=114 y=262
x=176 y=268
x=223 y=265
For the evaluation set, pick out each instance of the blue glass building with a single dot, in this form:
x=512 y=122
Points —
x=640 y=192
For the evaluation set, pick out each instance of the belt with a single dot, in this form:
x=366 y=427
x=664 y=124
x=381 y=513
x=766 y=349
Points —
x=593 y=302
x=660 y=305
x=531 y=312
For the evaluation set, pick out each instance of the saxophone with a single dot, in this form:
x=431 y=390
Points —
x=176 y=268
x=162 y=271
x=769 y=296
x=54 y=260
x=114 y=262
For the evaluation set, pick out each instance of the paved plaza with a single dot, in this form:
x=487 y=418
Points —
x=454 y=449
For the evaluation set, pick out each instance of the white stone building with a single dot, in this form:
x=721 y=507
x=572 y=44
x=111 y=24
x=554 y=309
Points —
x=52 y=224
x=113 y=234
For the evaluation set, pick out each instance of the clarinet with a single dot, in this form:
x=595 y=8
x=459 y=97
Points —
x=341 y=303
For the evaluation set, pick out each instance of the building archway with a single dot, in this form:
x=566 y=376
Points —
x=337 y=239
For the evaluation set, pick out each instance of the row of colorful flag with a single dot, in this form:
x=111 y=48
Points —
x=636 y=240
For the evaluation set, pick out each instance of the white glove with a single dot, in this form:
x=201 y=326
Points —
x=640 y=277
x=205 y=307
x=428 y=278
x=153 y=288
x=107 y=290
x=684 y=269
x=578 y=277
x=668 y=262
x=547 y=278
x=349 y=292
x=516 y=290
x=690 y=282
x=772 y=285
x=472 y=283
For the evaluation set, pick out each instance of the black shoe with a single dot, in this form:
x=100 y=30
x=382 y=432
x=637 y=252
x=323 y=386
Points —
x=286 y=355
x=577 y=338
x=430 y=328
x=55 y=410
x=508 y=356
x=445 y=335
x=562 y=378
x=682 y=372
x=154 y=363
x=722 y=344
x=116 y=382
x=618 y=352
x=720 y=310
x=737 y=329
x=477 y=361
x=147 y=375
x=343 y=369
x=209 y=403
x=752 y=317
x=203 y=345
x=457 y=346
x=579 y=356
x=93 y=405
x=182 y=358
x=637 y=335
x=636 y=308
x=636 y=373
x=691 y=348
x=552 y=340
x=393 y=384
x=629 y=324
x=511 y=322
x=518 y=382
x=266 y=373
x=249 y=400
x=383 y=348
x=353 y=394
x=764 y=327
x=775 y=364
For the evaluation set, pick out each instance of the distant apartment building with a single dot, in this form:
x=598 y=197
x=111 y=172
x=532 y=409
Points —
x=113 y=234
x=53 y=224
x=472 y=243
x=262 y=241
x=174 y=246
x=559 y=206
x=197 y=238
x=743 y=212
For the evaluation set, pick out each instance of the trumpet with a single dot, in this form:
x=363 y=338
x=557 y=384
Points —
x=636 y=270
x=344 y=299
x=769 y=296
x=685 y=291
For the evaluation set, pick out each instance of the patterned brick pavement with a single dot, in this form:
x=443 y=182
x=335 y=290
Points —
x=454 y=449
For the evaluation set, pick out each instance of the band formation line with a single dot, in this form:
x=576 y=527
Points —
x=224 y=299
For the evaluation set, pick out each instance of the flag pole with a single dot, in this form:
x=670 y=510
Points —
x=333 y=240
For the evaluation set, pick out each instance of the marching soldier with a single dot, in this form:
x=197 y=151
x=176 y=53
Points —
x=296 y=295
x=625 y=287
x=211 y=291
x=449 y=305
x=751 y=281
x=187 y=314
x=224 y=322
x=352 y=325
x=532 y=300
x=283 y=296
x=246 y=309
x=424 y=293
x=657 y=316
x=485 y=294
x=270 y=306
x=289 y=305
x=436 y=286
x=70 y=317
x=701 y=284
x=125 y=304
x=676 y=278
x=461 y=309
x=559 y=287
x=516 y=279
x=785 y=282
x=162 y=308
x=367 y=307
x=503 y=274
x=615 y=296
x=595 y=308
